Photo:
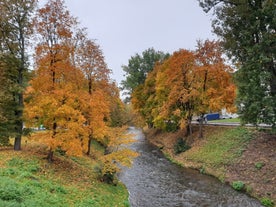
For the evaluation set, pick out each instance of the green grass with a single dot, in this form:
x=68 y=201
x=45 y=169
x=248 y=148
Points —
x=222 y=147
x=27 y=180
x=233 y=120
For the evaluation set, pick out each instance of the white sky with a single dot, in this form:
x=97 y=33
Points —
x=123 y=28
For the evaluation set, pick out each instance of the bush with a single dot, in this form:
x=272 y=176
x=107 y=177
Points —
x=267 y=202
x=4 y=141
x=181 y=146
x=172 y=126
x=202 y=170
x=259 y=165
x=110 y=178
x=238 y=185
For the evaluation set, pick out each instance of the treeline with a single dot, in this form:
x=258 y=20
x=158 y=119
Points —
x=69 y=91
x=183 y=85
x=191 y=83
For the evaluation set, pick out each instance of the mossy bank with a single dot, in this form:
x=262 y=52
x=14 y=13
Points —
x=241 y=157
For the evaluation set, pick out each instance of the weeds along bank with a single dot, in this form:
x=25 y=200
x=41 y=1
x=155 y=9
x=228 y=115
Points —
x=27 y=179
x=241 y=157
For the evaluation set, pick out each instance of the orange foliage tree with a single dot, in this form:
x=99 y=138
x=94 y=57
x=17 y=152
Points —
x=213 y=81
x=188 y=83
x=53 y=97
x=71 y=93
x=174 y=85
x=96 y=104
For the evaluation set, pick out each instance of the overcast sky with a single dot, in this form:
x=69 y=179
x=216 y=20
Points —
x=123 y=28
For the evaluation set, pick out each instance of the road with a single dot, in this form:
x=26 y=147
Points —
x=214 y=123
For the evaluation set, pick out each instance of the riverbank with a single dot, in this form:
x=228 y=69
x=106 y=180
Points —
x=27 y=179
x=238 y=156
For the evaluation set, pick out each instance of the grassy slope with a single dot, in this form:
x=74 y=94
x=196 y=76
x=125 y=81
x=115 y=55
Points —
x=26 y=179
x=225 y=153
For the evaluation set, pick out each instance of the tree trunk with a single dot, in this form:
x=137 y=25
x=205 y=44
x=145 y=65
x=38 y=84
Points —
x=188 y=129
x=17 y=143
x=201 y=126
x=273 y=81
x=89 y=144
x=19 y=110
x=50 y=155
x=19 y=115
x=190 y=124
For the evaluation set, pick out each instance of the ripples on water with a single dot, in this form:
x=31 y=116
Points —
x=153 y=181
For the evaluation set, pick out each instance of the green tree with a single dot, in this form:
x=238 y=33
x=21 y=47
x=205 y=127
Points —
x=15 y=31
x=248 y=29
x=144 y=99
x=139 y=66
x=7 y=105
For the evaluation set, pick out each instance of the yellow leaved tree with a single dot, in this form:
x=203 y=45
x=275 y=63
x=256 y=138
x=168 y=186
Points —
x=53 y=98
x=188 y=83
x=214 y=81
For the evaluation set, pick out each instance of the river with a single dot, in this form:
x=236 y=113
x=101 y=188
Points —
x=153 y=181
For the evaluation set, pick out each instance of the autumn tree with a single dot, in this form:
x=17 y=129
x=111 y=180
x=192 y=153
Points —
x=175 y=91
x=139 y=66
x=15 y=32
x=247 y=30
x=76 y=98
x=96 y=106
x=214 y=82
x=117 y=152
x=100 y=107
x=188 y=83
x=56 y=103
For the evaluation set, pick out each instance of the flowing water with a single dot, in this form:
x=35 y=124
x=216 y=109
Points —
x=153 y=181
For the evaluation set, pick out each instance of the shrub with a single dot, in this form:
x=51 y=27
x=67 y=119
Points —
x=172 y=126
x=238 y=185
x=126 y=203
x=259 y=165
x=202 y=170
x=110 y=177
x=9 y=190
x=267 y=202
x=181 y=146
x=248 y=189
x=4 y=141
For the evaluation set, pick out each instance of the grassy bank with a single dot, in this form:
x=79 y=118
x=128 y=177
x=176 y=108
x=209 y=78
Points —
x=27 y=179
x=233 y=120
x=235 y=155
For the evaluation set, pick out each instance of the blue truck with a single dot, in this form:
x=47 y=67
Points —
x=212 y=116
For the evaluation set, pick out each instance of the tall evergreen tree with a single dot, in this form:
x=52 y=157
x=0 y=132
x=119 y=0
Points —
x=15 y=31
x=248 y=30
x=7 y=105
